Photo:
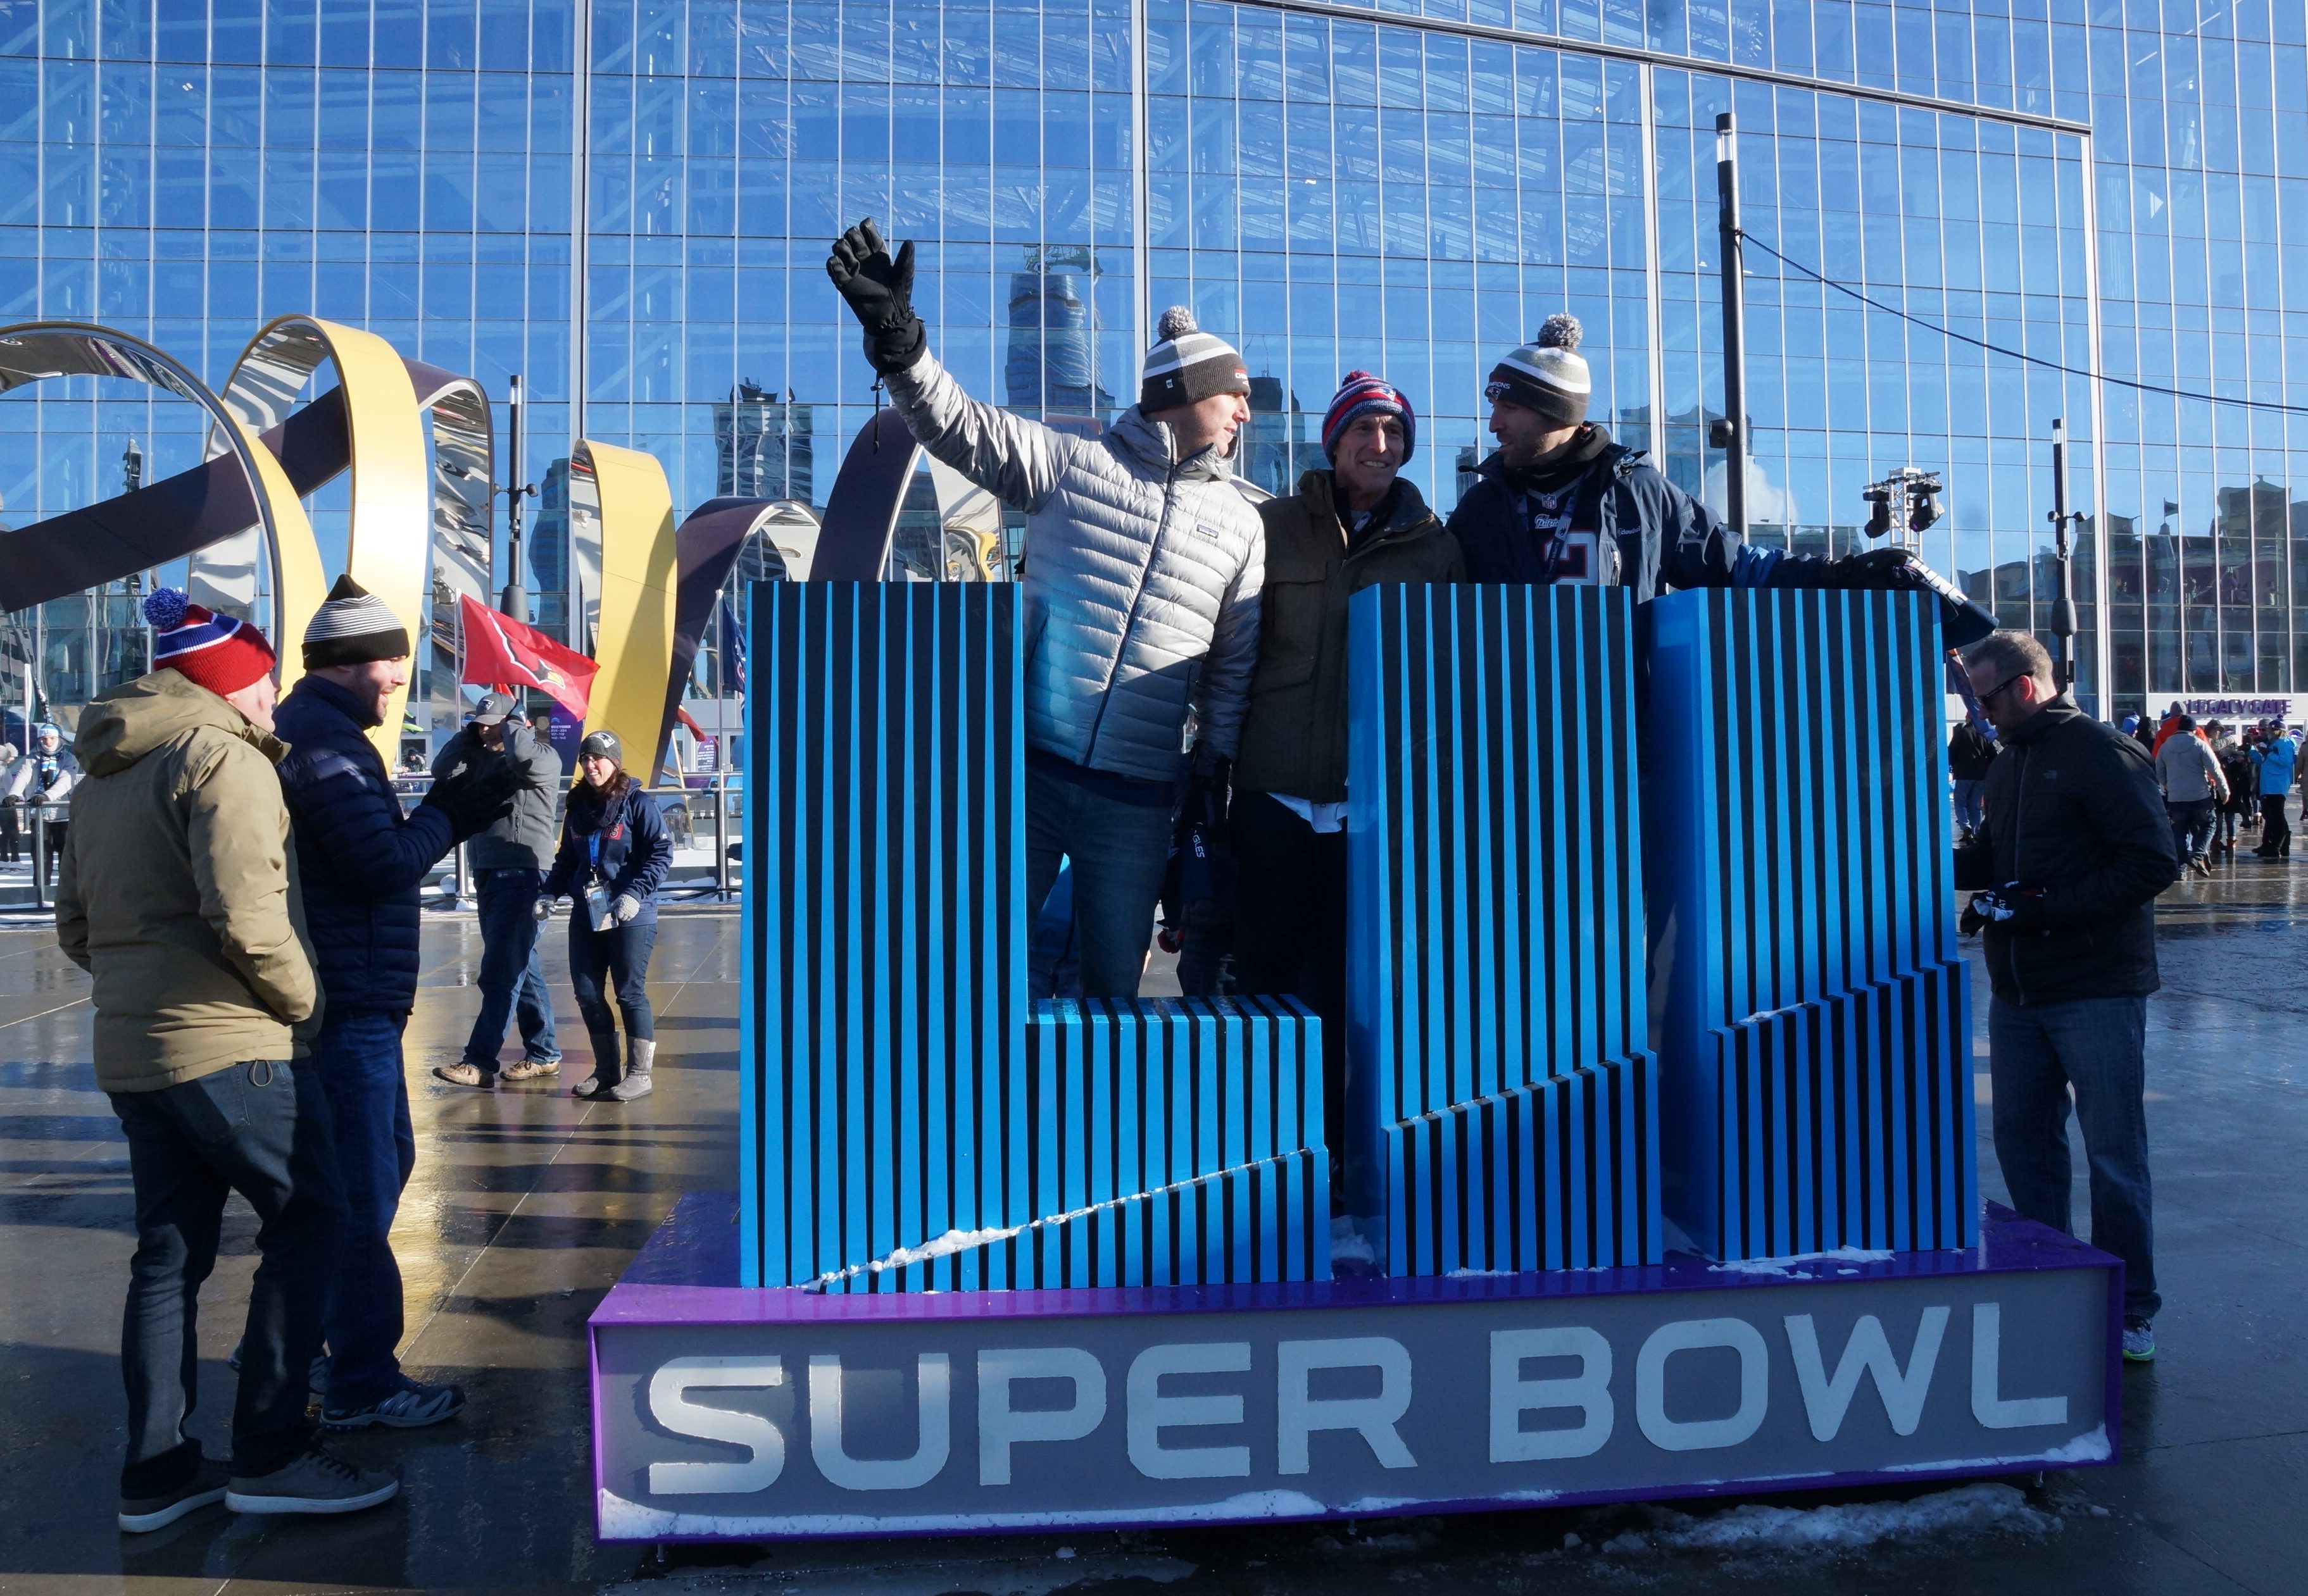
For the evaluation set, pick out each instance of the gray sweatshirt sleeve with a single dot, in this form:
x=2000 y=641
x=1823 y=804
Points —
x=1016 y=461
x=1225 y=691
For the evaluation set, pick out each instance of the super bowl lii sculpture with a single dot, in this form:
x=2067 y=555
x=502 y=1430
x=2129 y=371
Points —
x=1658 y=1140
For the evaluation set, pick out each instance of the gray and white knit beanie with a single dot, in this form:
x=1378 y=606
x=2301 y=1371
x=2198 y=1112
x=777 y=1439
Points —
x=1546 y=375
x=354 y=627
x=1187 y=364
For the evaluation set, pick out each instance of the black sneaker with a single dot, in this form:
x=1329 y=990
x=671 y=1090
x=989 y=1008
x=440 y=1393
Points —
x=412 y=1407
x=139 y=1515
x=315 y=1482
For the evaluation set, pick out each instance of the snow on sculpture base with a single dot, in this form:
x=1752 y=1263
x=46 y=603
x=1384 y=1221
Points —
x=751 y=1413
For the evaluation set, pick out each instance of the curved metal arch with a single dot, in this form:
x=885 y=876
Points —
x=632 y=637
x=383 y=443
x=242 y=485
x=705 y=550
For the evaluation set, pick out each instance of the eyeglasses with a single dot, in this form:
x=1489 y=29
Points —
x=1989 y=696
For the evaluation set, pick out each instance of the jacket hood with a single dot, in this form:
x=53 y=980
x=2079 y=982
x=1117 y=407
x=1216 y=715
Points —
x=125 y=724
x=1152 y=442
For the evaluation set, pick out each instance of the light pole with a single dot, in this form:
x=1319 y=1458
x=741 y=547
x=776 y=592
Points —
x=2064 y=603
x=1731 y=432
x=514 y=601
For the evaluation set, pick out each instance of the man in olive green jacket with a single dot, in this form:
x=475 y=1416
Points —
x=1359 y=523
x=176 y=895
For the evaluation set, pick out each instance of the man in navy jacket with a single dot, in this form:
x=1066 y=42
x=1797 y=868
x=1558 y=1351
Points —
x=359 y=863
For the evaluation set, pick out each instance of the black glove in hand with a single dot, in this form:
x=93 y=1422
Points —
x=476 y=796
x=1210 y=778
x=880 y=294
x=2011 y=906
x=1962 y=622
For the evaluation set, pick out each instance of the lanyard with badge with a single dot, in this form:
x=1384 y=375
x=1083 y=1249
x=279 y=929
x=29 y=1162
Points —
x=597 y=890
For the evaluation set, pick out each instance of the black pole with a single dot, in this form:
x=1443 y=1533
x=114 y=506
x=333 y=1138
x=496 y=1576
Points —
x=515 y=602
x=1734 y=431
x=2064 y=603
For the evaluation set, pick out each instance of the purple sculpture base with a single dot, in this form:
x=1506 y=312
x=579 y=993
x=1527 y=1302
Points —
x=727 y=1414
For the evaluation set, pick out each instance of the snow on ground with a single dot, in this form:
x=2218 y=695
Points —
x=1839 y=1527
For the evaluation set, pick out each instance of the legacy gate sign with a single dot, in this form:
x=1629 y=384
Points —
x=806 y=1415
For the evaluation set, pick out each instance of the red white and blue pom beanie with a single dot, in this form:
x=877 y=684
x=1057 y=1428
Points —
x=1360 y=395
x=219 y=652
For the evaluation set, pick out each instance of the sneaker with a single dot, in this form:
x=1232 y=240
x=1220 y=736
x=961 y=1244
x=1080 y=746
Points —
x=464 y=1073
x=139 y=1515
x=529 y=1070
x=2139 y=1342
x=412 y=1407
x=315 y=1482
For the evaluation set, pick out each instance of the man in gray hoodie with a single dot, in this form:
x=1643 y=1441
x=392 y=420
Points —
x=509 y=862
x=1144 y=566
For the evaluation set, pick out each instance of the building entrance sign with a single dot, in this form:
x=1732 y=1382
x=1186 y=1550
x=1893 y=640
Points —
x=997 y=1263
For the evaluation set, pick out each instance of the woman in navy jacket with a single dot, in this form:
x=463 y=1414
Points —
x=613 y=855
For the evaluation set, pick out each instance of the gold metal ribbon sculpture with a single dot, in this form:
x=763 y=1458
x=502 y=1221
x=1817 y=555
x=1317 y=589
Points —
x=632 y=630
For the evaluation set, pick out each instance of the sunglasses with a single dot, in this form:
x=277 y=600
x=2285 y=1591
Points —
x=1989 y=696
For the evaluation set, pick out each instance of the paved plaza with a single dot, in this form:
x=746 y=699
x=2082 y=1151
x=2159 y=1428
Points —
x=526 y=1206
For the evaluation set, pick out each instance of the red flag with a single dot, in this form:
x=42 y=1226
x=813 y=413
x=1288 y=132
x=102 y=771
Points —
x=500 y=651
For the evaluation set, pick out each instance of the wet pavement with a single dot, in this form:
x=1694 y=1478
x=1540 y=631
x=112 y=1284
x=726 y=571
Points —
x=526 y=1206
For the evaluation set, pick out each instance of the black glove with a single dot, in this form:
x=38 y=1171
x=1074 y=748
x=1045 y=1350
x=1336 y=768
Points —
x=1209 y=777
x=1962 y=622
x=2012 y=906
x=476 y=795
x=880 y=292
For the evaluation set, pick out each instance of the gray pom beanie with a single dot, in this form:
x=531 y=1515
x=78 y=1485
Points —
x=1188 y=364
x=1546 y=375
x=352 y=628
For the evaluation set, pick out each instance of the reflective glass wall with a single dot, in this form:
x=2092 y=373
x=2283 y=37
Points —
x=628 y=203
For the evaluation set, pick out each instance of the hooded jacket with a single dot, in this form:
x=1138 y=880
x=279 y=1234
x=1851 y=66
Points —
x=1629 y=525
x=178 y=888
x=2189 y=771
x=1294 y=737
x=2073 y=812
x=523 y=839
x=360 y=859
x=2275 y=760
x=1141 y=576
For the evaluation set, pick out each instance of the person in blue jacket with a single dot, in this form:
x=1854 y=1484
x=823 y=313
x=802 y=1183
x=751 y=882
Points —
x=615 y=852
x=2276 y=757
x=359 y=861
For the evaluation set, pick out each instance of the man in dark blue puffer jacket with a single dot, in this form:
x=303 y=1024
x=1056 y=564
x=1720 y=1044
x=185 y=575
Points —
x=359 y=863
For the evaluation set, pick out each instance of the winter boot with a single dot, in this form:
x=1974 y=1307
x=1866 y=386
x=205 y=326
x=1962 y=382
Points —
x=605 y=1074
x=639 y=1056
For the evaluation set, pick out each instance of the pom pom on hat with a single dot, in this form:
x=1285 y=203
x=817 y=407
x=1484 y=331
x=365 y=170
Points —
x=1360 y=395
x=1176 y=323
x=165 y=608
x=1547 y=374
x=1560 y=330
x=221 y=653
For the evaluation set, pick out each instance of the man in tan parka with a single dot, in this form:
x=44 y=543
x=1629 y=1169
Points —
x=176 y=894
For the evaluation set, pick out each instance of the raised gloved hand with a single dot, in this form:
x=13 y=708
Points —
x=625 y=909
x=546 y=906
x=880 y=294
x=1962 y=622
x=476 y=796
x=2011 y=906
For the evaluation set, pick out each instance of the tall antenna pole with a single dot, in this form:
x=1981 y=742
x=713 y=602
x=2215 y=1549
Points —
x=2064 y=603
x=1732 y=432
x=515 y=602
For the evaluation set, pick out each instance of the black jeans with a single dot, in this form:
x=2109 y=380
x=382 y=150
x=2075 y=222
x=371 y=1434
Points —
x=2276 y=835
x=622 y=956
x=2191 y=826
x=262 y=1130
x=1290 y=928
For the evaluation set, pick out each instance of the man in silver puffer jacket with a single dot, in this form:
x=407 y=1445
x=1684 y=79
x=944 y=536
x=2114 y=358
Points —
x=1143 y=563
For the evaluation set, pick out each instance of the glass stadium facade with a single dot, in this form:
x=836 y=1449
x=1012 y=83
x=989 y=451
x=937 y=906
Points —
x=629 y=204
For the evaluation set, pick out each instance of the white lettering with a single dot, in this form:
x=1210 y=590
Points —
x=1868 y=1352
x=1150 y=1412
x=1512 y=1396
x=934 y=1382
x=1701 y=1435
x=1990 y=1408
x=1299 y=1415
x=1001 y=1426
x=669 y=1405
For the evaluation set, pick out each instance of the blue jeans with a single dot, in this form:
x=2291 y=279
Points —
x=512 y=970
x=1119 y=852
x=1970 y=804
x=620 y=958
x=260 y=1130
x=360 y=1067
x=2096 y=1046
x=2191 y=827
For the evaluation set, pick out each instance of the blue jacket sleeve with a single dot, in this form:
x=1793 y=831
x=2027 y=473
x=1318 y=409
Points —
x=566 y=865
x=350 y=817
x=650 y=856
